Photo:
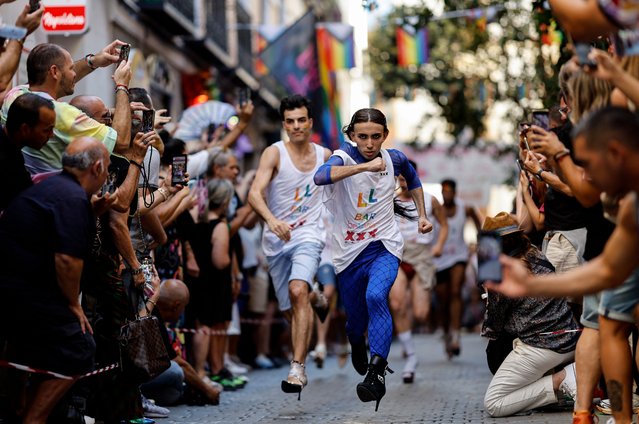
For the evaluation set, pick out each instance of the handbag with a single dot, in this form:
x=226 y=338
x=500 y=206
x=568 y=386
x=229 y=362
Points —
x=143 y=354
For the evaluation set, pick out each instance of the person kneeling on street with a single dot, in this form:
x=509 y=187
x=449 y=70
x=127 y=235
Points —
x=526 y=378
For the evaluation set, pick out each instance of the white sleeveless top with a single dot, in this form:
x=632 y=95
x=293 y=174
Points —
x=455 y=249
x=409 y=228
x=363 y=209
x=293 y=197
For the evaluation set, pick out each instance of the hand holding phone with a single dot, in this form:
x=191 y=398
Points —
x=541 y=119
x=148 y=120
x=178 y=171
x=489 y=249
x=582 y=50
x=124 y=53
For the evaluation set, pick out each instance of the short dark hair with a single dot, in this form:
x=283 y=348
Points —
x=293 y=102
x=41 y=58
x=609 y=123
x=172 y=148
x=139 y=94
x=365 y=115
x=25 y=109
x=450 y=183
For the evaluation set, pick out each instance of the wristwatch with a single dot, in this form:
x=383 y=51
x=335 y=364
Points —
x=538 y=174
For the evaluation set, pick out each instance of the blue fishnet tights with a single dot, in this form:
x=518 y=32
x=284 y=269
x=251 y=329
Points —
x=364 y=288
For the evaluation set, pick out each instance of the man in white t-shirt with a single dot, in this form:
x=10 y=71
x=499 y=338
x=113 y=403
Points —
x=290 y=203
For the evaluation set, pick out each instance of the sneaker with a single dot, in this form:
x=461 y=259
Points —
x=569 y=386
x=151 y=410
x=235 y=368
x=604 y=407
x=213 y=384
x=228 y=384
x=263 y=362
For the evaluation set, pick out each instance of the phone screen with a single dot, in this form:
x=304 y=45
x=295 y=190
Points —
x=124 y=53
x=178 y=175
x=488 y=251
x=582 y=50
x=541 y=119
x=148 y=120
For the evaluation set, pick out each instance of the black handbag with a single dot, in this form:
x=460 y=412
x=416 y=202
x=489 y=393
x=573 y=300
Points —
x=143 y=354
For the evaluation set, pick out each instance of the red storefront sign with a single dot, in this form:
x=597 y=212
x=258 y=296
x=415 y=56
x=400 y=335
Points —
x=59 y=17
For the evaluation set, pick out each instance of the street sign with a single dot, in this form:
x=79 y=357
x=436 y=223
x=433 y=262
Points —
x=65 y=16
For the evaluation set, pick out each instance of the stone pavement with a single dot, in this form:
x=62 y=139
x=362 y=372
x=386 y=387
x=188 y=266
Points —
x=443 y=392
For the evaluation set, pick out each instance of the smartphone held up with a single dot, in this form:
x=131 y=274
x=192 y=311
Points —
x=178 y=170
x=489 y=248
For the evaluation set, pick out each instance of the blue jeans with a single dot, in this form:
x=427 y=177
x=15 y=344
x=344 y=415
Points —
x=167 y=388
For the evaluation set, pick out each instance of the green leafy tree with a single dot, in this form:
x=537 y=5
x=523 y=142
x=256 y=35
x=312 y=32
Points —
x=472 y=64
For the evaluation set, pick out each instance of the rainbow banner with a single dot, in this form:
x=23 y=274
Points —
x=335 y=45
x=263 y=37
x=412 y=47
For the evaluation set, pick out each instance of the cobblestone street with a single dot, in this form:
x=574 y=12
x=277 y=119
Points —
x=443 y=392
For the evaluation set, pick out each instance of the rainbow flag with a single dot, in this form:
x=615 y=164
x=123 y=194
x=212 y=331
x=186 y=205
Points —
x=335 y=45
x=412 y=47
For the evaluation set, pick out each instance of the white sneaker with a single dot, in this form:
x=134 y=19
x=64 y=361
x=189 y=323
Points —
x=569 y=386
x=151 y=410
x=262 y=361
x=234 y=368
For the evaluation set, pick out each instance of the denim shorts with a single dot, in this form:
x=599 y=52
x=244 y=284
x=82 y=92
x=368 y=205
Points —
x=619 y=303
x=326 y=275
x=300 y=262
x=590 y=311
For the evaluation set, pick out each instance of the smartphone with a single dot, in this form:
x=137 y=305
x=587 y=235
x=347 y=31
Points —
x=519 y=164
x=244 y=96
x=148 y=120
x=178 y=175
x=109 y=184
x=124 y=53
x=488 y=250
x=541 y=119
x=34 y=5
x=582 y=50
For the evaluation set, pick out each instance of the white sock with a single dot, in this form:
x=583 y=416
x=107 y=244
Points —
x=407 y=342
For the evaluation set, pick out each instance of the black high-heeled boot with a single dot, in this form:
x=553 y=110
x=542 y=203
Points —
x=359 y=357
x=374 y=385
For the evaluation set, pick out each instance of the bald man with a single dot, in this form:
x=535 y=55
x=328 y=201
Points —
x=167 y=388
x=46 y=235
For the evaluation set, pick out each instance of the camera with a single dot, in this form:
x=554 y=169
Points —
x=178 y=173
x=148 y=120
x=489 y=248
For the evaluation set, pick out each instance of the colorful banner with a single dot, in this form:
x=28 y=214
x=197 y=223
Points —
x=263 y=36
x=412 y=47
x=335 y=45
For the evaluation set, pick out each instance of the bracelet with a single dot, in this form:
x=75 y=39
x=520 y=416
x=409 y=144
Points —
x=136 y=271
x=121 y=87
x=557 y=156
x=162 y=191
x=88 y=59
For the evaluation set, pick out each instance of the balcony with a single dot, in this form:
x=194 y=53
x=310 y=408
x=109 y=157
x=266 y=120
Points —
x=177 y=17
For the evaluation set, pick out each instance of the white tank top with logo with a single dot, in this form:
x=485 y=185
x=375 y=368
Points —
x=409 y=228
x=293 y=197
x=362 y=206
x=455 y=248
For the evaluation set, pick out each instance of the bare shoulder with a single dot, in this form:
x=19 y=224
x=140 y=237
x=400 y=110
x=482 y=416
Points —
x=327 y=154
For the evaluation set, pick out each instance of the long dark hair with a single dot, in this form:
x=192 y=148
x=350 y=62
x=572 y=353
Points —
x=365 y=115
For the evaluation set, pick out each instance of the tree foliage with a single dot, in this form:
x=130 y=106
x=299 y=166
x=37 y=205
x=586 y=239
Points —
x=472 y=64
